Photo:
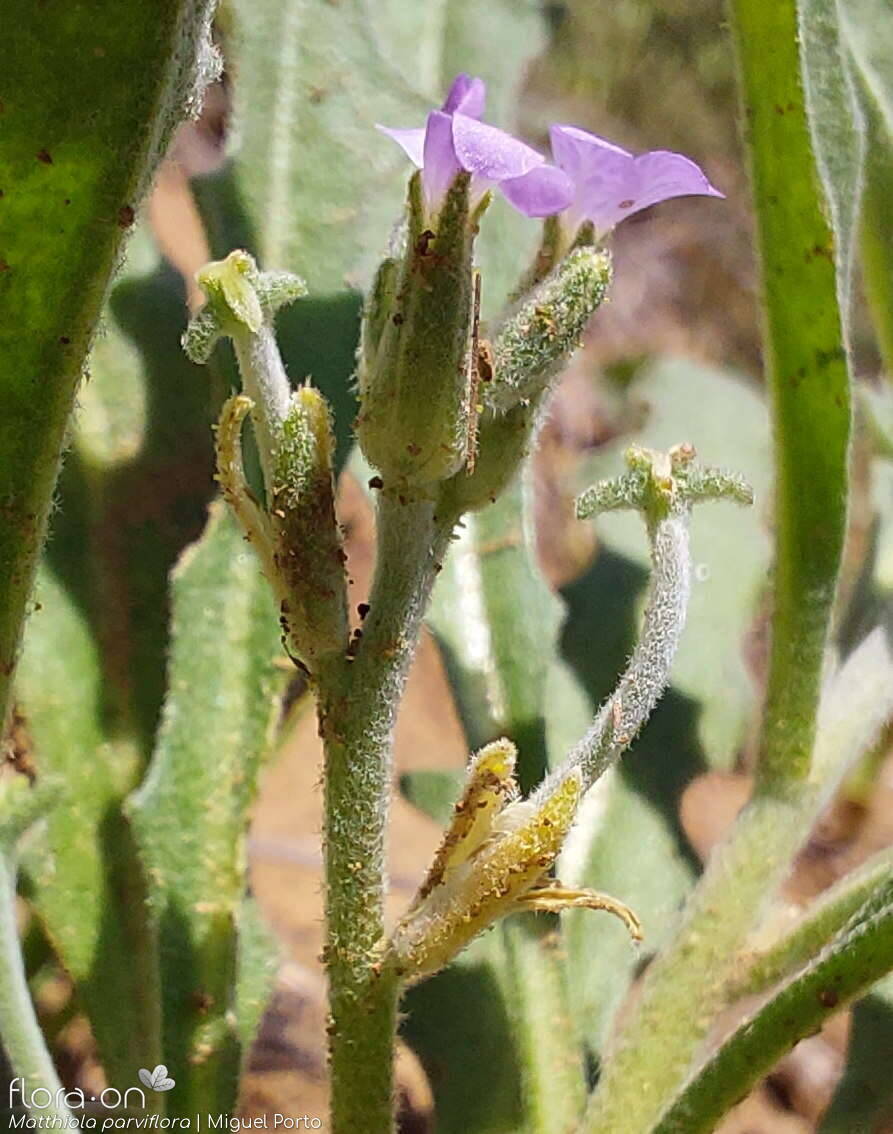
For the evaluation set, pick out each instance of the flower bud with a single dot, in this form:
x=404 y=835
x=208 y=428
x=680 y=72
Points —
x=414 y=370
x=307 y=552
x=526 y=355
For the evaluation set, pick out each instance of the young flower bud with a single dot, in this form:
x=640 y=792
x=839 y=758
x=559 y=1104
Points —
x=534 y=343
x=414 y=378
x=242 y=303
x=307 y=551
x=515 y=377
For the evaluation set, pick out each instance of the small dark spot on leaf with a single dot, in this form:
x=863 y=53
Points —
x=64 y=340
x=397 y=320
x=45 y=157
x=4 y=267
x=828 y=998
x=126 y=216
x=376 y=482
x=413 y=449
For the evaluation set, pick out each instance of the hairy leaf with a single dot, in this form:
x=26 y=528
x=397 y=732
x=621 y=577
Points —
x=191 y=813
x=81 y=869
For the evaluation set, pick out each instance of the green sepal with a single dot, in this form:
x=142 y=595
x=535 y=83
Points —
x=414 y=410
x=534 y=342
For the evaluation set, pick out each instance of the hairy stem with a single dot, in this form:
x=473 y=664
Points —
x=639 y=689
x=358 y=703
x=806 y=377
x=23 y=1042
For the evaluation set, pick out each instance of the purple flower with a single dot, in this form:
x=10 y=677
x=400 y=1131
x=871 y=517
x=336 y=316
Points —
x=455 y=139
x=611 y=184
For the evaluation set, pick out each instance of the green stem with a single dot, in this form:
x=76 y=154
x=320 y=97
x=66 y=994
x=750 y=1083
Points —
x=23 y=1042
x=264 y=381
x=807 y=380
x=358 y=703
x=76 y=163
x=859 y=956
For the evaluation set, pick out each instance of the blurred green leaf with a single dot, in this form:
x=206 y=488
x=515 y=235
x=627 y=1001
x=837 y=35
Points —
x=135 y=487
x=727 y=422
x=82 y=872
x=191 y=812
x=496 y=622
x=258 y=957
x=434 y=793
x=863 y=1101
x=836 y=127
x=458 y=1024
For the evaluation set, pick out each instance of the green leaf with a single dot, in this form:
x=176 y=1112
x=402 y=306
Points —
x=496 y=621
x=258 y=959
x=76 y=162
x=860 y=955
x=191 y=813
x=81 y=869
x=135 y=487
x=836 y=127
x=623 y=845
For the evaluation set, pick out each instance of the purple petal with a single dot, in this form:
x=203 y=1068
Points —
x=542 y=192
x=576 y=150
x=611 y=184
x=490 y=153
x=663 y=175
x=440 y=166
x=411 y=141
x=466 y=96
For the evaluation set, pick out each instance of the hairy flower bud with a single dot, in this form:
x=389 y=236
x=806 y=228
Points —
x=515 y=377
x=414 y=371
